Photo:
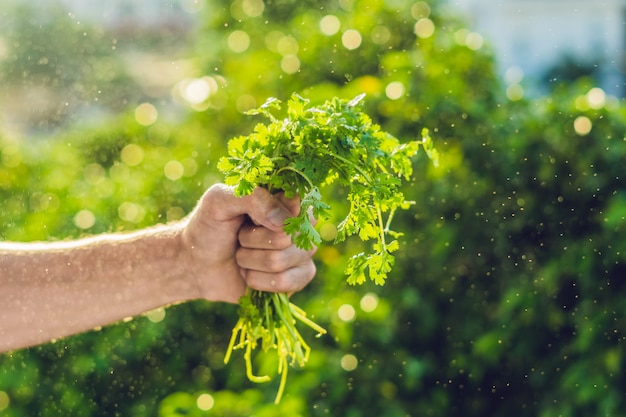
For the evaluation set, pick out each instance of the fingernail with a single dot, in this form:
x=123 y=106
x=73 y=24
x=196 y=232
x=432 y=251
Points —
x=277 y=217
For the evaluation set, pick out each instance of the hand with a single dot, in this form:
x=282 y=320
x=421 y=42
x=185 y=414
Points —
x=232 y=242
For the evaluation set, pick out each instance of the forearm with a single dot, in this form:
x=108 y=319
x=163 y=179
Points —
x=52 y=290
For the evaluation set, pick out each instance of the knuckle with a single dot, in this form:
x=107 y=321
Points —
x=277 y=261
x=281 y=240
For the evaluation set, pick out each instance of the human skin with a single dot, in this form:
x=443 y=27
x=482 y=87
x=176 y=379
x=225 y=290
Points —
x=51 y=290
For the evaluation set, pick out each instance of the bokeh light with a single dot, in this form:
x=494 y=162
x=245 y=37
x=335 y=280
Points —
x=4 y=400
x=329 y=25
x=272 y=38
x=238 y=41
x=380 y=35
x=246 y=9
x=198 y=90
x=199 y=93
x=395 y=90
x=131 y=212
x=351 y=39
x=596 y=97
x=349 y=362
x=287 y=45
x=424 y=28
x=514 y=75
x=582 y=125
x=175 y=213
x=515 y=92
x=205 y=402
x=253 y=8
x=474 y=41
x=290 y=64
x=346 y=312
x=369 y=302
x=245 y=102
x=94 y=173
x=420 y=10
x=146 y=114
x=84 y=219
x=173 y=170
x=131 y=155
x=156 y=315
x=328 y=231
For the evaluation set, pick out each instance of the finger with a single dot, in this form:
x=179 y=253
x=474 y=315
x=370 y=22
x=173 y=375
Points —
x=288 y=281
x=272 y=261
x=292 y=204
x=258 y=237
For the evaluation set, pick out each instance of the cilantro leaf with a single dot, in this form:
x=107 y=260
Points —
x=313 y=149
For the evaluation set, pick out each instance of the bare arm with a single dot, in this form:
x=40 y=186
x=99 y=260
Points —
x=51 y=290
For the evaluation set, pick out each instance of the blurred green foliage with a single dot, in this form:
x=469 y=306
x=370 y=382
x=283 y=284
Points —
x=507 y=296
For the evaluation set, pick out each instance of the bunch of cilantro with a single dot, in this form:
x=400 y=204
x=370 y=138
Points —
x=334 y=144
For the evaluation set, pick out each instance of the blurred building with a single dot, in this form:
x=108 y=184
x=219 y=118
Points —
x=553 y=40
x=153 y=34
x=125 y=17
x=134 y=13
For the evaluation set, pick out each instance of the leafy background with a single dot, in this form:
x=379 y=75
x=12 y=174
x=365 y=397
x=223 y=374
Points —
x=508 y=295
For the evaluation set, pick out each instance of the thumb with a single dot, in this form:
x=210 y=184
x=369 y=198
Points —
x=261 y=206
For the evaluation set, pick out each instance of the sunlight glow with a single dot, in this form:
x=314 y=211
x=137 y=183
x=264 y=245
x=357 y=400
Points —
x=198 y=90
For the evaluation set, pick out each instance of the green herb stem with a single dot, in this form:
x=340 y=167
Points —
x=331 y=144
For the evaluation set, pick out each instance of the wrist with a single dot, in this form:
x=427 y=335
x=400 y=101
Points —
x=179 y=281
